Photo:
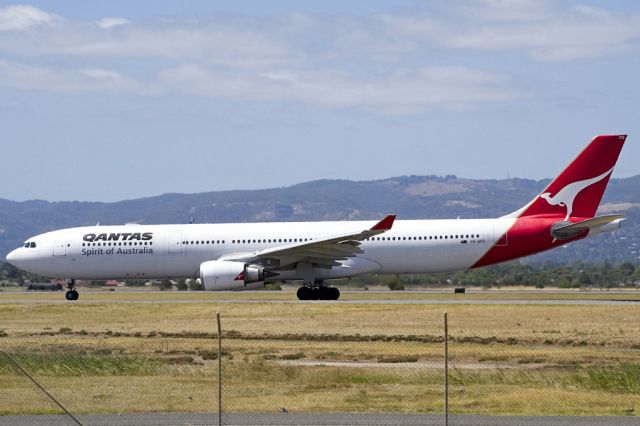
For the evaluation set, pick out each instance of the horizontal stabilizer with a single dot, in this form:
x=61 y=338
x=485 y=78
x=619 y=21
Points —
x=567 y=230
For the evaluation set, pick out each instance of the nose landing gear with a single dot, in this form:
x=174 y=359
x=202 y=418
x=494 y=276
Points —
x=72 y=293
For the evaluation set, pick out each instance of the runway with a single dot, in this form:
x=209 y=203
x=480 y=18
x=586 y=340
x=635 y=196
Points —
x=87 y=299
x=309 y=419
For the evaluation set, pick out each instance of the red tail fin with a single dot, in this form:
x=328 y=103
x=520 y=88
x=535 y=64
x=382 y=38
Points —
x=577 y=191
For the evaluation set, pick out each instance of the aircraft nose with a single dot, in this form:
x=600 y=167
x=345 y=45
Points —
x=12 y=257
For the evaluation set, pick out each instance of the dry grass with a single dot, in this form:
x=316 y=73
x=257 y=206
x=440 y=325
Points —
x=128 y=357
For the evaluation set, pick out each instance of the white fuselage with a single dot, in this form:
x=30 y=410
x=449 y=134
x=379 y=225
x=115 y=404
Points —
x=177 y=251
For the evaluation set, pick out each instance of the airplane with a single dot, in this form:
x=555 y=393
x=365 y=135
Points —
x=248 y=255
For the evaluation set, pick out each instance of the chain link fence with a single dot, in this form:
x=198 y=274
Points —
x=357 y=361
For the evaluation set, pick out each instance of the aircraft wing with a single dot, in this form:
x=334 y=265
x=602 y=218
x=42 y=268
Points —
x=322 y=252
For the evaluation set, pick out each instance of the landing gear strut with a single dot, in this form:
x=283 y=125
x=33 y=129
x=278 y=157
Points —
x=318 y=292
x=72 y=293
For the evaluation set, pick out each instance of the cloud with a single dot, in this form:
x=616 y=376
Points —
x=393 y=63
x=21 y=17
x=546 y=33
x=232 y=42
x=64 y=80
x=112 y=22
x=399 y=92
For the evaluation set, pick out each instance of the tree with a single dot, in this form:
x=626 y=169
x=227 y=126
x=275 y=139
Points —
x=165 y=285
x=182 y=286
x=635 y=277
x=395 y=284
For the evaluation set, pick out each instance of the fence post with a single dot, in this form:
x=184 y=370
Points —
x=446 y=370
x=219 y=369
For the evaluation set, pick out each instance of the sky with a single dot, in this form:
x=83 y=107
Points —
x=105 y=101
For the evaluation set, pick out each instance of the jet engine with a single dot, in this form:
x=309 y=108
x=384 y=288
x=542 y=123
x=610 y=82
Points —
x=218 y=275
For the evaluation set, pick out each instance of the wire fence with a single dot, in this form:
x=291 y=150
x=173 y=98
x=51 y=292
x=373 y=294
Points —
x=324 y=359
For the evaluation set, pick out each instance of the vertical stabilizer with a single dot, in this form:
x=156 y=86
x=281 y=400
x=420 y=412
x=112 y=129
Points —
x=577 y=191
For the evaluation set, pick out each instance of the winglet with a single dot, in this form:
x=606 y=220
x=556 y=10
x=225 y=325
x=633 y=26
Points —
x=385 y=224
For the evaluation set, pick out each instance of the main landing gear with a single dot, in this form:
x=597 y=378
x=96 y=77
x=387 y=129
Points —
x=72 y=293
x=318 y=293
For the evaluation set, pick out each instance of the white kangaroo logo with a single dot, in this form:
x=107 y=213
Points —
x=567 y=195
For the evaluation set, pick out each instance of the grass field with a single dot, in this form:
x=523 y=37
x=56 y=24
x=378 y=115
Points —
x=158 y=355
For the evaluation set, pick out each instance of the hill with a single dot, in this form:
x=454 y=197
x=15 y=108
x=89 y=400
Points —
x=411 y=197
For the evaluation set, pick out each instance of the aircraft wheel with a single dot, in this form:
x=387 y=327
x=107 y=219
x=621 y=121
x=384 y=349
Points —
x=316 y=294
x=71 y=295
x=334 y=293
x=304 y=293
x=322 y=293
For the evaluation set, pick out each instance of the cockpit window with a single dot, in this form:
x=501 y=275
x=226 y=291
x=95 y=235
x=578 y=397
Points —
x=29 y=244
x=33 y=245
x=26 y=245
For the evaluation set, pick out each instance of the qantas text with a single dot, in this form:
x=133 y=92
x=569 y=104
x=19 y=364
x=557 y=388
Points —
x=120 y=236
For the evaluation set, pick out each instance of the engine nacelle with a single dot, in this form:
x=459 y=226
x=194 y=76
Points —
x=218 y=275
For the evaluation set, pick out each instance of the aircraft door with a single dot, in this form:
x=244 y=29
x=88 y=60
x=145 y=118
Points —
x=175 y=242
x=60 y=248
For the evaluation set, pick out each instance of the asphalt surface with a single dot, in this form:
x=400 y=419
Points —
x=348 y=302
x=617 y=298
x=308 y=419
